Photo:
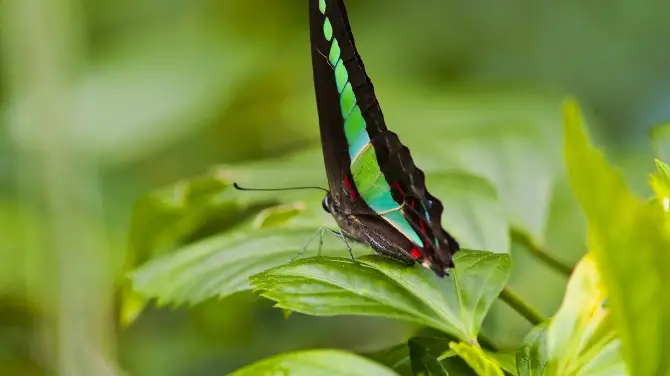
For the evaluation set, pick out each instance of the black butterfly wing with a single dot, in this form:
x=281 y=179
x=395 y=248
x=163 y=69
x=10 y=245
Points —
x=422 y=210
x=331 y=123
x=419 y=208
x=360 y=82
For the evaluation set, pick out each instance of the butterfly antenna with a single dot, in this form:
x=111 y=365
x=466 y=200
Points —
x=239 y=188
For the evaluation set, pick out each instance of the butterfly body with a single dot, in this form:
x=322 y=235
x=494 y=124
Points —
x=366 y=229
x=376 y=193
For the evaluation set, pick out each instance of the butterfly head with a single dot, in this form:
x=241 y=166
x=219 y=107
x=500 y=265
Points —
x=326 y=203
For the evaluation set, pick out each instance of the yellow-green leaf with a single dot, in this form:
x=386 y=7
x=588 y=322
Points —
x=660 y=135
x=132 y=304
x=660 y=183
x=630 y=245
x=531 y=356
x=581 y=335
x=476 y=359
x=278 y=215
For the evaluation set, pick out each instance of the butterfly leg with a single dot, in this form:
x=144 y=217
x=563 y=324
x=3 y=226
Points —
x=318 y=232
x=344 y=239
x=320 y=242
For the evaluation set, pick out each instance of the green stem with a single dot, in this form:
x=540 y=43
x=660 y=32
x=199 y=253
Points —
x=516 y=303
x=540 y=254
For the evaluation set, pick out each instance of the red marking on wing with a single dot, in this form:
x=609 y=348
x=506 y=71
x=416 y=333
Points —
x=350 y=187
x=399 y=189
x=422 y=227
x=422 y=224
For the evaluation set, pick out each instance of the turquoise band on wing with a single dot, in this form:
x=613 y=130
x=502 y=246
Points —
x=368 y=178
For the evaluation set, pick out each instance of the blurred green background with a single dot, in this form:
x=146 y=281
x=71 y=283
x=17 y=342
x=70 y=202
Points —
x=104 y=101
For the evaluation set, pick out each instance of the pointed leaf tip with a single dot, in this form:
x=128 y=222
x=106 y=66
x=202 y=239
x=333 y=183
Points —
x=573 y=123
x=571 y=110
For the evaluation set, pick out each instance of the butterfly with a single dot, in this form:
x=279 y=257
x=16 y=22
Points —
x=376 y=194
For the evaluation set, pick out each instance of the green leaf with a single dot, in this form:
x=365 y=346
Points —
x=629 y=241
x=660 y=136
x=472 y=212
x=477 y=359
x=221 y=265
x=531 y=356
x=207 y=204
x=479 y=278
x=395 y=357
x=176 y=215
x=314 y=363
x=456 y=366
x=170 y=215
x=379 y=286
x=398 y=357
x=438 y=345
x=664 y=171
x=581 y=336
x=435 y=343
x=278 y=216
x=132 y=304
x=423 y=362
x=660 y=183
x=506 y=360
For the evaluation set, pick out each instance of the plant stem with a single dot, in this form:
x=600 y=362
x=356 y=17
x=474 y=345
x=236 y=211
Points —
x=540 y=254
x=516 y=303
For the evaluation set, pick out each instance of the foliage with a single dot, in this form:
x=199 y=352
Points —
x=604 y=326
x=626 y=236
x=315 y=362
x=101 y=102
x=455 y=305
x=580 y=338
